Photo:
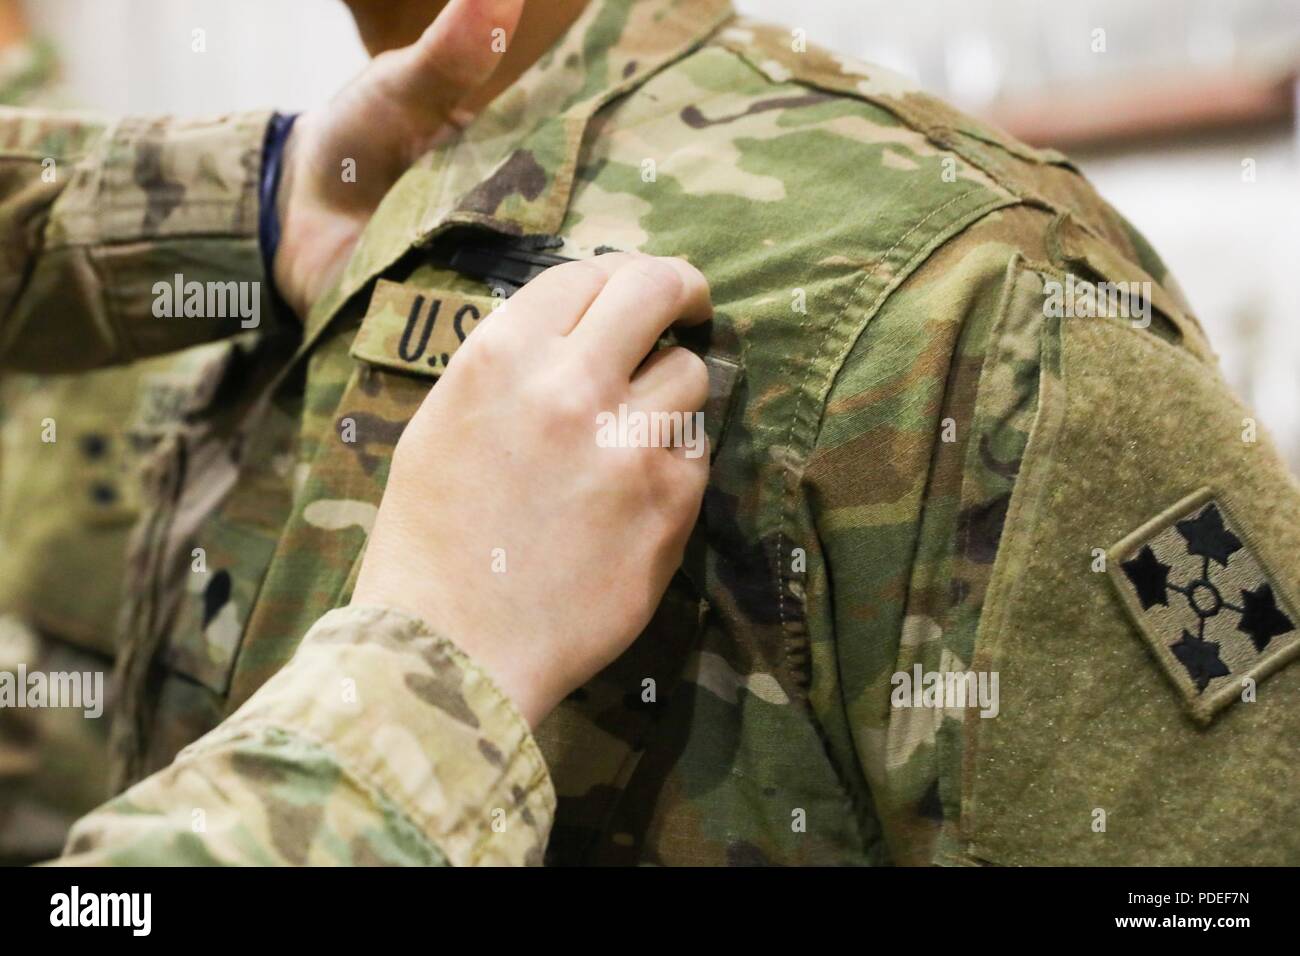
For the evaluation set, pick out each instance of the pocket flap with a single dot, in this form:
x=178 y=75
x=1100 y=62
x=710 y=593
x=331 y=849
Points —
x=1077 y=247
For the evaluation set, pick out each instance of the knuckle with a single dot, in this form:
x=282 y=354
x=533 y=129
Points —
x=611 y=261
x=687 y=271
x=570 y=400
x=489 y=347
x=695 y=371
x=388 y=65
x=671 y=495
x=659 y=273
x=638 y=475
x=692 y=479
x=582 y=273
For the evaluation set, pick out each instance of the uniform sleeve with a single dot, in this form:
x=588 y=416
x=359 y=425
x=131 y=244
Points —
x=126 y=238
x=1142 y=616
x=1060 y=573
x=379 y=743
x=913 y=468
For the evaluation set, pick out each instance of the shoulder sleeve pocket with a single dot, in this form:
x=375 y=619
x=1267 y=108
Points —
x=1141 y=619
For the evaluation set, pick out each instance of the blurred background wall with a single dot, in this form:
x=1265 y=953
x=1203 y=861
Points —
x=1183 y=112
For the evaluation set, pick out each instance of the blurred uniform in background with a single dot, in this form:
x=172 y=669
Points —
x=67 y=508
x=64 y=518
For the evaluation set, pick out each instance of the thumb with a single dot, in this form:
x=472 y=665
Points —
x=453 y=58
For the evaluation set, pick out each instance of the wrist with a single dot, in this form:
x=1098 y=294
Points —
x=528 y=685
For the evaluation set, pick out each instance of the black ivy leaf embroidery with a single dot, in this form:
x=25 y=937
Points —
x=1150 y=576
x=1206 y=536
x=1262 y=620
x=1206 y=602
x=1201 y=658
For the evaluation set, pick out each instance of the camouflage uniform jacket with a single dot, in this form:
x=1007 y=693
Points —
x=482 y=771
x=924 y=464
x=69 y=496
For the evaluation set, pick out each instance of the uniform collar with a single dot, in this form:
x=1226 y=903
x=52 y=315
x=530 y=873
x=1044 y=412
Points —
x=512 y=169
x=611 y=49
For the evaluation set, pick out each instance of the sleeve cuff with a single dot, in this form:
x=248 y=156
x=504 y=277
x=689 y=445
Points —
x=160 y=208
x=407 y=712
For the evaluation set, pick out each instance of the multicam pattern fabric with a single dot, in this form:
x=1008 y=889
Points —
x=379 y=744
x=67 y=507
x=920 y=465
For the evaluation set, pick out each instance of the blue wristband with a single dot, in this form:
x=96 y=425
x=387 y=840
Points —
x=268 y=222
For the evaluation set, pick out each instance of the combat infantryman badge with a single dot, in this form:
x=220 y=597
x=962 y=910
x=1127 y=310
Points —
x=1204 y=602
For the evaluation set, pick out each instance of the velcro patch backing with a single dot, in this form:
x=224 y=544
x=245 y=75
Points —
x=1204 y=602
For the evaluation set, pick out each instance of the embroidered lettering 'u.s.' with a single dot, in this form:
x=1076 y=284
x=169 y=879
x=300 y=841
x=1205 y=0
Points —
x=1205 y=602
x=417 y=330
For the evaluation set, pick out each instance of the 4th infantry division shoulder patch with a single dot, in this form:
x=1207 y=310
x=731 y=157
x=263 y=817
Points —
x=1205 y=602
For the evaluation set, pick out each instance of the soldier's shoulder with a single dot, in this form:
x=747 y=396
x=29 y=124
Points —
x=784 y=56
x=910 y=157
x=918 y=132
x=758 y=131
